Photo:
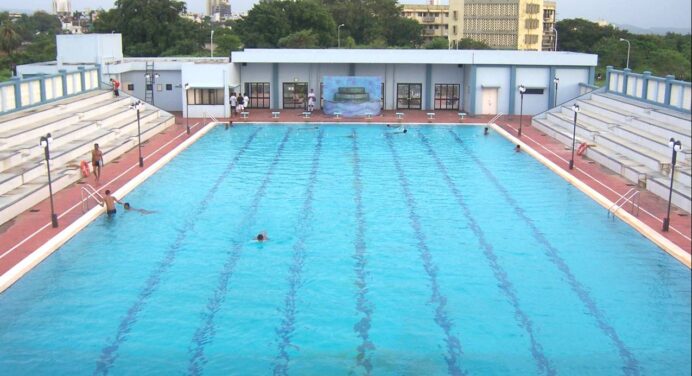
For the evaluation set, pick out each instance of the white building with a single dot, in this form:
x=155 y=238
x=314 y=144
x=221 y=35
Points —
x=62 y=7
x=476 y=82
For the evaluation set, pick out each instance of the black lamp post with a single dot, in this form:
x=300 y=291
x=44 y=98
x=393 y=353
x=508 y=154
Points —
x=138 y=105
x=187 y=109
x=576 y=110
x=556 y=81
x=675 y=146
x=522 y=90
x=45 y=142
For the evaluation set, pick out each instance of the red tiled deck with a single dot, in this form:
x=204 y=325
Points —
x=28 y=231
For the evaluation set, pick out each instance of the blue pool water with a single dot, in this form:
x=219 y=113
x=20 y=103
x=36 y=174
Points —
x=436 y=252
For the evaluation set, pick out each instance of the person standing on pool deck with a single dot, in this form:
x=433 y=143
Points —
x=234 y=102
x=246 y=101
x=110 y=201
x=311 y=100
x=97 y=161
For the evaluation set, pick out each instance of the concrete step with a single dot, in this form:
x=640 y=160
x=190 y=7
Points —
x=660 y=186
x=39 y=114
x=646 y=111
x=584 y=131
x=637 y=153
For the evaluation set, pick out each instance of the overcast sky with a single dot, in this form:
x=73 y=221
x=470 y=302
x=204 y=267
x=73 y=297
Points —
x=641 y=13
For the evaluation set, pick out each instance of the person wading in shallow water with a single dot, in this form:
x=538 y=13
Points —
x=110 y=201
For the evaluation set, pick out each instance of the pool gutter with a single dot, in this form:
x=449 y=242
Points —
x=40 y=254
x=658 y=239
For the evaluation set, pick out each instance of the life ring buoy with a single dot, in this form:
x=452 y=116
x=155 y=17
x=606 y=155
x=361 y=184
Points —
x=84 y=166
x=582 y=148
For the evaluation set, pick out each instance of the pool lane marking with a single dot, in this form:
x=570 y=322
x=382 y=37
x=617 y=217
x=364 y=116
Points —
x=505 y=284
x=102 y=187
x=454 y=352
x=287 y=327
x=109 y=353
x=601 y=183
x=205 y=332
x=363 y=305
x=631 y=364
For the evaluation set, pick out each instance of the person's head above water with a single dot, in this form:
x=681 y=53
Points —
x=127 y=206
x=108 y=192
x=261 y=237
x=405 y=130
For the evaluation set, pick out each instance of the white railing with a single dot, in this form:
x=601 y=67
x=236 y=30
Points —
x=494 y=119
x=632 y=197
x=87 y=192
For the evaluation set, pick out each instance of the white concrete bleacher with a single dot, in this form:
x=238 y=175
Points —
x=75 y=124
x=629 y=137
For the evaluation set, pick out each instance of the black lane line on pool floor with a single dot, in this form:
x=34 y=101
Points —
x=287 y=327
x=108 y=353
x=631 y=364
x=505 y=285
x=441 y=318
x=363 y=305
x=205 y=332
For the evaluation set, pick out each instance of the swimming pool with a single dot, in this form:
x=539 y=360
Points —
x=439 y=251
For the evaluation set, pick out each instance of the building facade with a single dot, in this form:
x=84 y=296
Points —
x=62 y=7
x=471 y=81
x=502 y=24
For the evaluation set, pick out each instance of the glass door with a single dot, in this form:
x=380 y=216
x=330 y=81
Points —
x=295 y=94
x=408 y=96
x=446 y=96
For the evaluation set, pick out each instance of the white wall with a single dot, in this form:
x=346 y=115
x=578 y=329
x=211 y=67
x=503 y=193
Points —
x=492 y=76
x=533 y=78
x=168 y=100
x=568 y=87
x=88 y=48
x=206 y=76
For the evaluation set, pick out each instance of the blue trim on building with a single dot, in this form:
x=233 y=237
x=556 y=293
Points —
x=625 y=76
x=551 y=88
x=512 y=88
x=82 y=77
x=428 y=87
x=609 y=69
x=646 y=76
x=17 y=93
x=352 y=69
x=472 y=90
x=592 y=75
x=275 y=86
x=669 y=86
x=63 y=73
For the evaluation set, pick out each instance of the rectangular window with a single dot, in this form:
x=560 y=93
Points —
x=130 y=87
x=212 y=97
x=534 y=90
x=295 y=94
x=169 y=87
x=150 y=87
x=258 y=94
x=447 y=96
x=408 y=96
x=159 y=87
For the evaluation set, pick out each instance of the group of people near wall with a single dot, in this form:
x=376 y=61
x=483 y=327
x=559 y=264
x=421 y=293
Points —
x=239 y=102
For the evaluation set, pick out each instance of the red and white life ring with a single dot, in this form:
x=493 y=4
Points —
x=84 y=166
x=582 y=148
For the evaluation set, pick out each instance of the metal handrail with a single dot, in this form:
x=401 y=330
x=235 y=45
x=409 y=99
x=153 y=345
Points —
x=631 y=196
x=90 y=192
x=495 y=118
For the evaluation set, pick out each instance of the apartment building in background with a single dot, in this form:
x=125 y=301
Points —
x=502 y=24
x=218 y=10
x=62 y=7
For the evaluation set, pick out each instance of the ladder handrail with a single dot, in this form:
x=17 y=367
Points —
x=631 y=196
x=495 y=118
x=90 y=192
x=214 y=119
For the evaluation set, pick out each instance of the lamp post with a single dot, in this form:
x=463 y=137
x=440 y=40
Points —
x=45 y=142
x=675 y=146
x=556 y=81
x=187 y=109
x=137 y=106
x=522 y=90
x=153 y=83
x=555 y=30
x=628 y=51
x=338 y=35
x=575 y=108
x=212 y=43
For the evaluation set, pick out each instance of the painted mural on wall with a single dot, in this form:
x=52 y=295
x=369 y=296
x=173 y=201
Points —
x=352 y=96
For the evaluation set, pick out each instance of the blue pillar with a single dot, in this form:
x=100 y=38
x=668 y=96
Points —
x=472 y=91
x=428 y=87
x=609 y=69
x=63 y=74
x=625 y=76
x=512 y=88
x=669 y=87
x=275 y=86
x=42 y=85
x=82 y=78
x=645 y=84
x=352 y=69
x=98 y=76
x=17 y=92
x=592 y=75
x=551 y=88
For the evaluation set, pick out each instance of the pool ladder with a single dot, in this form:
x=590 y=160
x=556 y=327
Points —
x=494 y=119
x=632 y=196
x=87 y=192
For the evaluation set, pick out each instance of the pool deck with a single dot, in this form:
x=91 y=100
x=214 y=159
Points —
x=23 y=235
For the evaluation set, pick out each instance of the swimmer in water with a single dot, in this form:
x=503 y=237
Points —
x=262 y=237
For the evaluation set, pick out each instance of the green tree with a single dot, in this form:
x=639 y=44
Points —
x=437 y=43
x=300 y=39
x=9 y=37
x=367 y=21
x=404 y=32
x=472 y=44
x=228 y=42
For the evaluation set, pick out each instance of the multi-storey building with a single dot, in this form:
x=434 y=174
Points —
x=218 y=10
x=549 y=35
x=502 y=24
x=62 y=7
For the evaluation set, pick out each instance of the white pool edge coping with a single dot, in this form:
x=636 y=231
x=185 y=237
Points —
x=658 y=239
x=36 y=257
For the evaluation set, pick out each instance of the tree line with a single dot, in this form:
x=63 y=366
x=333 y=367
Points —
x=156 y=28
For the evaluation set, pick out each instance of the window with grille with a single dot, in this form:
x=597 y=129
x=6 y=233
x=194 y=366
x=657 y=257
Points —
x=205 y=96
x=258 y=94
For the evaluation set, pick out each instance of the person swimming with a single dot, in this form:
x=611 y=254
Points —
x=262 y=237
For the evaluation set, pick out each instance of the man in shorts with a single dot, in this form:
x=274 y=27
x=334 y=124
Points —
x=110 y=201
x=97 y=161
x=234 y=102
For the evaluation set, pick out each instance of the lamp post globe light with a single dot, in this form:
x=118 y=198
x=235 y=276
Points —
x=45 y=142
x=138 y=106
x=575 y=108
x=187 y=109
x=675 y=147
x=628 y=51
x=556 y=81
x=522 y=90
x=338 y=35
